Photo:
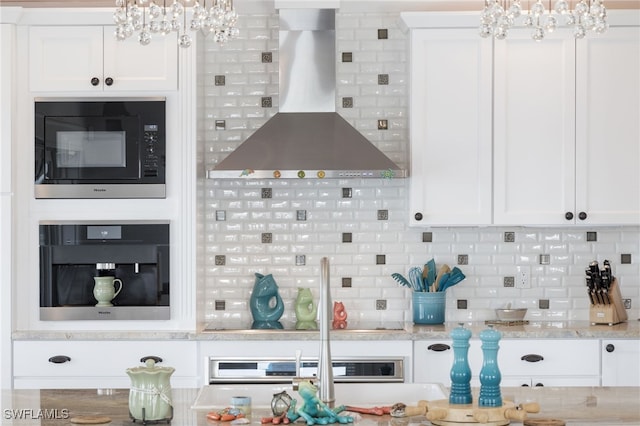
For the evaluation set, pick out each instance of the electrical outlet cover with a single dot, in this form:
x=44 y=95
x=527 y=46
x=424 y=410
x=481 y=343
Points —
x=523 y=277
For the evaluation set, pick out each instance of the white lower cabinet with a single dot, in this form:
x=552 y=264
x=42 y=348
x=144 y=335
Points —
x=97 y=364
x=620 y=362
x=522 y=362
x=432 y=361
x=551 y=362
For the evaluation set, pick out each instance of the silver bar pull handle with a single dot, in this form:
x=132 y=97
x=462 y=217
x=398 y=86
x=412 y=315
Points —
x=298 y=356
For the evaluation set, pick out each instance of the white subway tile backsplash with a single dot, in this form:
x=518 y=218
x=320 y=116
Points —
x=326 y=215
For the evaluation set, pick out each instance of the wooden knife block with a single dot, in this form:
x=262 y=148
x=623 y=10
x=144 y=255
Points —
x=609 y=314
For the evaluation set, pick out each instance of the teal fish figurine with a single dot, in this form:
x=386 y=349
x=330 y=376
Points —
x=265 y=290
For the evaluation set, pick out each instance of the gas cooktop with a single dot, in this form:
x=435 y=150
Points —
x=292 y=326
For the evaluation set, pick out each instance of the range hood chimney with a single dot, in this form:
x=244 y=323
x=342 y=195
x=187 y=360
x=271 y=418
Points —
x=307 y=138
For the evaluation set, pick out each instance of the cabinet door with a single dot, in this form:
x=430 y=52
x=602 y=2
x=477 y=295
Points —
x=433 y=361
x=65 y=58
x=534 y=134
x=98 y=363
x=620 y=362
x=91 y=59
x=608 y=127
x=450 y=127
x=549 y=358
x=132 y=66
x=555 y=381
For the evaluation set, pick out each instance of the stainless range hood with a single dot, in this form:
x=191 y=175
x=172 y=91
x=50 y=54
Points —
x=307 y=138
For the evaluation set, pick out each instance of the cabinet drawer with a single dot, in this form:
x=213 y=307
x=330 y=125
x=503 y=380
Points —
x=549 y=357
x=432 y=361
x=568 y=381
x=99 y=358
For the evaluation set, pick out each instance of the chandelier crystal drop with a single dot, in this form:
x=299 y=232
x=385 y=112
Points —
x=499 y=16
x=149 y=18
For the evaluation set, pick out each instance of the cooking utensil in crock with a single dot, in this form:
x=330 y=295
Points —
x=444 y=269
x=454 y=277
x=443 y=282
x=415 y=278
x=400 y=279
x=431 y=274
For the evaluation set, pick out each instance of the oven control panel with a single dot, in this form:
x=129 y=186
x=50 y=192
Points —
x=150 y=158
x=282 y=370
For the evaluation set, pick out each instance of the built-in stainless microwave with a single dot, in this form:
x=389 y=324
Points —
x=76 y=256
x=100 y=148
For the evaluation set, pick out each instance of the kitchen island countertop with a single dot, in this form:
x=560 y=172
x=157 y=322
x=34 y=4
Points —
x=409 y=331
x=576 y=406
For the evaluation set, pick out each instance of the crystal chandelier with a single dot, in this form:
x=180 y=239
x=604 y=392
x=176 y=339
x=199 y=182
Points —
x=149 y=17
x=498 y=16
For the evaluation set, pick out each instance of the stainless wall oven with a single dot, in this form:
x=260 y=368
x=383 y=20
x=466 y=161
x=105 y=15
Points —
x=72 y=255
x=100 y=148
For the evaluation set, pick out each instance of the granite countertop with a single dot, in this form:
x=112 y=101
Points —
x=407 y=331
x=576 y=406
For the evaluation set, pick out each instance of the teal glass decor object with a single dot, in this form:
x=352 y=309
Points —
x=266 y=304
x=460 y=371
x=490 y=373
x=267 y=325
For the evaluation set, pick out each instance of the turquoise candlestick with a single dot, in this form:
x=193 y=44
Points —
x=490 y=373
x=460 y=371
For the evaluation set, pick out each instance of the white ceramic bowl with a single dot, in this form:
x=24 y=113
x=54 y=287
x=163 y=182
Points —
x=511 y=314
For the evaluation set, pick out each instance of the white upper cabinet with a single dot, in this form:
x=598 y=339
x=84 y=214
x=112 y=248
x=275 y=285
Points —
x=89 y=58
x=534 y=129
x=567 y=136
x=450 y=127
x=519 y=132
x=608 y=127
